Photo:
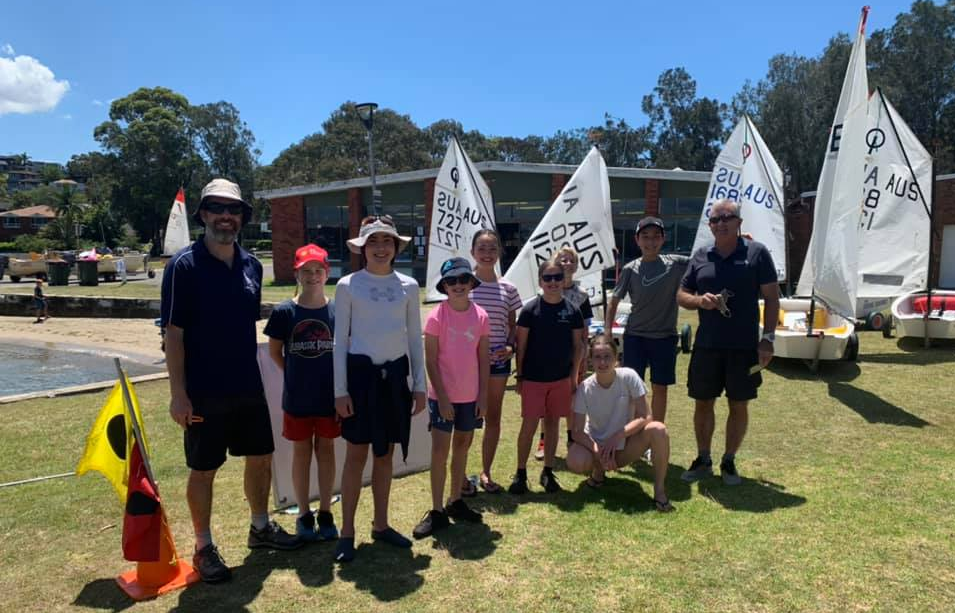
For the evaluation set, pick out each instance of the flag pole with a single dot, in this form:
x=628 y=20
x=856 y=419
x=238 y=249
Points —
x=137 y=433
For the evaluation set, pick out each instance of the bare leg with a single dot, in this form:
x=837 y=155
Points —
x=524 y=439
x=492 y=425
x=199 y=497
x=736 y=424
x=656 y=438
x=381 y=470
x=579 y=459
x=301 y=466
x=440 y=444
x=325 y=456
x=659 y=402
x=258 y=480
x=459 y=462
x=355 y=458
x=551 y=429
x=704 y=422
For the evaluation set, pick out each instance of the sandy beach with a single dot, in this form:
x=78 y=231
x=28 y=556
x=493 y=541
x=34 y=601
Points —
x=127 y=336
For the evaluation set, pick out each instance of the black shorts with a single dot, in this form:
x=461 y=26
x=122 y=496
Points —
x=239 y=424
x=714 y=370
x=381 y=402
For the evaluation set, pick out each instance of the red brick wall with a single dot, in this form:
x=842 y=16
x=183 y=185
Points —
x=26 y=227
x=288 y=234
x=652 y=196
x=557 y=183
x=944 y=214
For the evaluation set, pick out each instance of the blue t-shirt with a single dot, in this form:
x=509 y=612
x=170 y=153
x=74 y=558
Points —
x=740 y=274
x=217 y=307
x=308 y=336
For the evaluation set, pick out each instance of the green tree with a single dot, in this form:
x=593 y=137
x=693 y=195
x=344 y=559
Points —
x=69 y=213
x=914 y=63
x=149 y=136
x=684 y=130
x=50 y=173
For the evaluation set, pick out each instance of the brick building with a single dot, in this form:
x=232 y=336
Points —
x=330 y=213
x=29 y=220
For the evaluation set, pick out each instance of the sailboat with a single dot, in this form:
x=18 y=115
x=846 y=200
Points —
x=579 y=217
x=821 y=327
x=462 y=205
x=177 y=227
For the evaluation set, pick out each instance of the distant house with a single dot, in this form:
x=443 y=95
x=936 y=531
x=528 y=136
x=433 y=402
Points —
x=29 y=220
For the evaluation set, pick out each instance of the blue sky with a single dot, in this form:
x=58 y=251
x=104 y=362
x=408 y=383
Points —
x=504 y=68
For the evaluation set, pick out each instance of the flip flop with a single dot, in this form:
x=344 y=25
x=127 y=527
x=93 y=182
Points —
x=663 y=506
x=490 y=487
x=594 y=483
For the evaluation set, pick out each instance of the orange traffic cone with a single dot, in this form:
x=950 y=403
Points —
x=150 y=579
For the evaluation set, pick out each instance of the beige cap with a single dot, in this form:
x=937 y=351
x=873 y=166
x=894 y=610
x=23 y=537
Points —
x=223 y=188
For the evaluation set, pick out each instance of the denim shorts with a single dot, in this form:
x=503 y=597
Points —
x=464 y=418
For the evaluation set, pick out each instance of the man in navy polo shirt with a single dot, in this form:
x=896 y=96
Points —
x=724 y=282
x=211 y=295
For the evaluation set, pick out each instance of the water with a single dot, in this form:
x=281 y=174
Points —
x=26 y=368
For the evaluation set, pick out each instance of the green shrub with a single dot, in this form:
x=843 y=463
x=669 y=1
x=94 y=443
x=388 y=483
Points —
x=263 y=245
x=26 y=243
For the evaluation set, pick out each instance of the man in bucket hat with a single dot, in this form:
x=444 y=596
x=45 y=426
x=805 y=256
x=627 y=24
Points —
x=211 y=296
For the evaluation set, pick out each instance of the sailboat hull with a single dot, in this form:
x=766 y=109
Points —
x=831 y=336
x=908 y=315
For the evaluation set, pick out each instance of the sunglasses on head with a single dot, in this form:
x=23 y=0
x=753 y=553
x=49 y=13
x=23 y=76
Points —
x=725 y=217
x=463 y=279
x=551 y=278
x=218 y=208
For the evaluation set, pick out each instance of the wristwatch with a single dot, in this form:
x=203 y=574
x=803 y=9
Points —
x=769 y=336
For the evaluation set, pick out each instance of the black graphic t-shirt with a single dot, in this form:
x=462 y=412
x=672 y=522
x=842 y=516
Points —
x=308 y=335
x=550 y=339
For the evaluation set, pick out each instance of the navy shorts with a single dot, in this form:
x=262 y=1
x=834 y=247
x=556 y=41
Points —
x=715 y=370
x=657 y=353
x=500 y=369
x=464 y=418
x=240 y=425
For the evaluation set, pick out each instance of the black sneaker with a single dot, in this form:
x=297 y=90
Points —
x=210 y=565
x=697 y=470
x=273 y=536
x=729 y=474
x=518 y=484
x=549 y=482
x=460 y=511
x=345 y=549
x=326 y=526
x=430 y=523
x=391 y=536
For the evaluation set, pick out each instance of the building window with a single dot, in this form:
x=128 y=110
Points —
x=682 y=218
x=326 y=225
x=39 y=222
x=11 y=223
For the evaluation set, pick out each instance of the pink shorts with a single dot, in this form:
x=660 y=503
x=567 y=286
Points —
x=551 y=399
x=306 y=428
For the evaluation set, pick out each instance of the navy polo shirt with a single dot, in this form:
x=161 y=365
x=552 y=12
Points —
x=741 y=273
x=217 y=307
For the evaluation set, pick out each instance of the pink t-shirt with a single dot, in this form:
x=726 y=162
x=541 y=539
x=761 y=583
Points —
x=459 y=333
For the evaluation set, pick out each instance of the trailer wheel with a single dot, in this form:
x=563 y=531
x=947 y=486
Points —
x=887 y=328
x=685 y=338
x=875 y=321
x=852 y=348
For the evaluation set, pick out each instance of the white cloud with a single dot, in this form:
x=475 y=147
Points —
x=27 y=86
x=97 y=103
x=67 y=116
x=7 y=49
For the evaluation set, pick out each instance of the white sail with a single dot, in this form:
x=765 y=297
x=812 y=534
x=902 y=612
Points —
x=747 y=173
x=177 y=228
x=831 y=270
x=462 y=205
x=895 y=208
x=580 y=217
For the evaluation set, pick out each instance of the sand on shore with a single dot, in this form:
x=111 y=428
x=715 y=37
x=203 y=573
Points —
x=134 y=336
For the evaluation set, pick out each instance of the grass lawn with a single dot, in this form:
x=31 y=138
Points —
x=846 y=505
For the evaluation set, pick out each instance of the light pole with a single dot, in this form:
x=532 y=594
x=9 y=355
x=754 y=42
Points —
x=366 y=111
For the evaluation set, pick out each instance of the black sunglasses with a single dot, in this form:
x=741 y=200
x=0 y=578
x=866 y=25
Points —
x=218 y=208
x=726 y=217
x=551 y=278
x=463 y=279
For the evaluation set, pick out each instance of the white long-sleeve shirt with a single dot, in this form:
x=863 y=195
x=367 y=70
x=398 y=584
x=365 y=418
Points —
x=378 y=316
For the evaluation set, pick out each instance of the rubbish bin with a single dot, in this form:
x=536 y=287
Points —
x=87 y=271
x=58 y=272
